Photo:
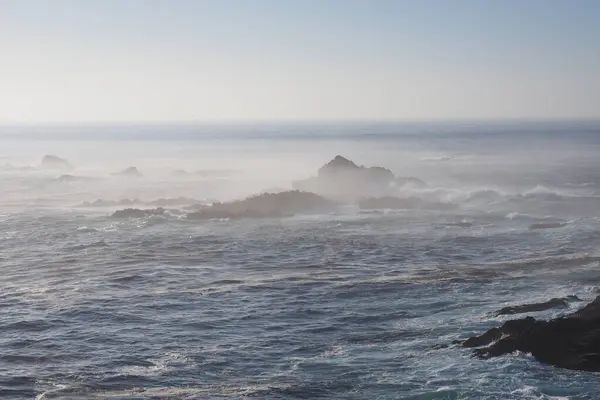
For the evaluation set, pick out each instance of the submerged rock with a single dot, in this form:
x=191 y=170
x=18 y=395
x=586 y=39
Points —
x=546 y=225
x=137 y=213
x=571 y=341
x=266 y=205
x=533 y=307
x=459 y=224
x=130 y=172
x=343 y=180
x=54 y=162
x=409 y=203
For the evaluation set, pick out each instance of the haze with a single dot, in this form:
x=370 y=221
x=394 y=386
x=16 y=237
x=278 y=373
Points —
x=133 y=60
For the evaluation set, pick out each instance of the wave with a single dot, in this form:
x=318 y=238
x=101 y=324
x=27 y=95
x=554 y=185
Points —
x=162 y=202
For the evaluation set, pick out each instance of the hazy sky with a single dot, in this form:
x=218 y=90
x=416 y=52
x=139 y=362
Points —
x=194 y=60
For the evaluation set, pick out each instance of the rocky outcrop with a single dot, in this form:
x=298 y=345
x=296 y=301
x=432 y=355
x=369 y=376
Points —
x=266 y=205
x=137 y=213
x=557 y=302
x=343 y=180
x=131 y=172
x=408 y=203
x=571 y=341
x=54 y=162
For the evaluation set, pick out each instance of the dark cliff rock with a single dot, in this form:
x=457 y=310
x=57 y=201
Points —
x=266 y=205
x=571 y=341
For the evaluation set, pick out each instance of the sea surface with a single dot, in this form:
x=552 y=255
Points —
x=338 y=306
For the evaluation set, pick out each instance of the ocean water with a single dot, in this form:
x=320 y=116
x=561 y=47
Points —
x=336 y=306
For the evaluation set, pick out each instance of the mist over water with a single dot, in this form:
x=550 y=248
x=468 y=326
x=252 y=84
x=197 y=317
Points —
x=342 y=304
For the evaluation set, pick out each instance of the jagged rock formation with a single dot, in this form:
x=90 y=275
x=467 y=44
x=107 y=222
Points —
x=571 y=341
x=137 y=213
x=343 y=180
x=267 y=205
x=131 y=172
x=555 y=302
x=396 y=203
x=54 y=162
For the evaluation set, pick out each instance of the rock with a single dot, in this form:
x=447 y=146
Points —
x=370 y=212
x=131 y=172
x=409 y=203
x=54 y=162
x=266 y=205
x=341 y=179
x=571 y=341
x=137 y=213
x=546 y=305
x=67 y=178
x=546 y=225
x=180 y=173
x=409 y=181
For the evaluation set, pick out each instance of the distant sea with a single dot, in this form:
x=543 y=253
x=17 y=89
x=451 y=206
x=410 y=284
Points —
x=343 y=305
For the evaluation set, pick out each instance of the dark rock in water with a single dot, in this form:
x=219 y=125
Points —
x=266 y=205
x=370 y=212
x=546 y=225
x=67 y=178
x=341 y=165
x=571 y=341
x=409 y=203
x=137 y=213
x=130 y=172
x=533 y=307
x=54 y=162
x=343 y=180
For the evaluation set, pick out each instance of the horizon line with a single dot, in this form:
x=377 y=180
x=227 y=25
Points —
x=308 y=121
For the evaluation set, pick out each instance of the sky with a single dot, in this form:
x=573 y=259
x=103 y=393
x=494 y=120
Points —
x=110 y=61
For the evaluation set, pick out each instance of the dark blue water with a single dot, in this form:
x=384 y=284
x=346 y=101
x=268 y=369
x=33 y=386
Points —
x=344 y=305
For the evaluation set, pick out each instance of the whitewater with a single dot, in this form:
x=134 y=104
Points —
x=335 y=305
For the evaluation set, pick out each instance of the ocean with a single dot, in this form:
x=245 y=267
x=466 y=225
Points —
x=343 y=305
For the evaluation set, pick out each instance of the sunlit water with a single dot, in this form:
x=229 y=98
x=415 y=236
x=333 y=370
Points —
x=344 y=305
